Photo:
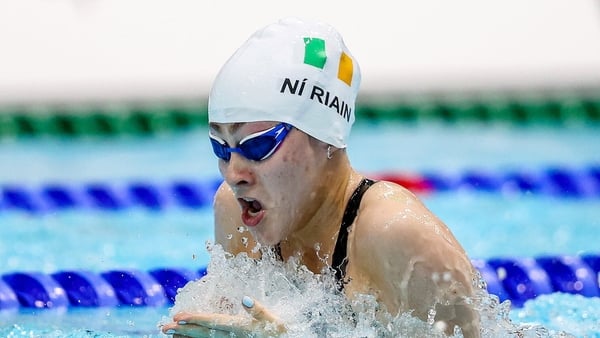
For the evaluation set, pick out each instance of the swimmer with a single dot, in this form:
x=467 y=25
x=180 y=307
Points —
x=280 y=114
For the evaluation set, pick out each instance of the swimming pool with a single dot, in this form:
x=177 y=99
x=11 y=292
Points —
x=466 y=167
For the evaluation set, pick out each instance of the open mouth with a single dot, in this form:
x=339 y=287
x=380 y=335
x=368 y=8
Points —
x=252 y=211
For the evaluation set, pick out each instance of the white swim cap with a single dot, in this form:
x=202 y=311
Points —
x=293 y=71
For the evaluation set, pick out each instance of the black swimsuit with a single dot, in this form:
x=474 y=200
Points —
x=340 y=259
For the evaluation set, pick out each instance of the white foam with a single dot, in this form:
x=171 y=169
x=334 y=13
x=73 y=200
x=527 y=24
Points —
x=310 y=304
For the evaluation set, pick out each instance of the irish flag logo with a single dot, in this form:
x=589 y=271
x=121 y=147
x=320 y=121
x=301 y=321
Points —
x=315 y=55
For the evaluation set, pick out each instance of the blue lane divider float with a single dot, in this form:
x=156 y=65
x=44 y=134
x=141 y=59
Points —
x=136 y=287
x=8 y=297
x=85 y=288
x=571 y=274
x=521 y=279
x=173 y=279
x=514 y=279
x=36 y=290
x=108 y=196
x=553 y=181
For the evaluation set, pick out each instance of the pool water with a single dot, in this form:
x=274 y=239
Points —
x=488 y=224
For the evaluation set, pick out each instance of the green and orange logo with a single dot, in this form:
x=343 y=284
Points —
x=315 y=55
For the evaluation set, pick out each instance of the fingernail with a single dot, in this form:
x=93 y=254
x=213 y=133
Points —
x=170 y=331
x=247 y=301
x=182 y=322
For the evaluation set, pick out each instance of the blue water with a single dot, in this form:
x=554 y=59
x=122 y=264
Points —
x=372 y=148
x=137 y=238
x=487 y=224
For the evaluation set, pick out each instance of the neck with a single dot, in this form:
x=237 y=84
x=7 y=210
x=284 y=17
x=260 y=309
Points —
x=315 y=240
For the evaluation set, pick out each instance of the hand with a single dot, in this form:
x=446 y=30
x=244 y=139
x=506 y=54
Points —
x=222 y=325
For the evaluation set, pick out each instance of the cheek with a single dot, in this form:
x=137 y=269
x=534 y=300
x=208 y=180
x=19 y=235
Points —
x=293 y=172
x=299 y=154
x=286 y=178
x=295 y=165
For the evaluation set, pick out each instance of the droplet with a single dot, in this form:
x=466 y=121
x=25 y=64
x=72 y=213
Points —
x=431 y=316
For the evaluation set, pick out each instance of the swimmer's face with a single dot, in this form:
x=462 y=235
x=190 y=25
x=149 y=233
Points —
x=274 y=194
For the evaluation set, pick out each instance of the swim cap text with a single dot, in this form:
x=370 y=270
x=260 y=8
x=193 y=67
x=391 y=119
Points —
x=317 y=94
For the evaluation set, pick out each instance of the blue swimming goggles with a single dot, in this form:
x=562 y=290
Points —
x=255 y=147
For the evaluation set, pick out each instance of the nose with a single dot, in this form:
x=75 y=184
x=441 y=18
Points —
x=237 y=171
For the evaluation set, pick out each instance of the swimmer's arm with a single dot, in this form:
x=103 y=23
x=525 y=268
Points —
x=261 y=320
x=412 y=259
x=227 y=222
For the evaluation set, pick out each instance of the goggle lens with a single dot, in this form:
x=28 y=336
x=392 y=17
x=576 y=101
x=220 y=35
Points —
x=255 y=147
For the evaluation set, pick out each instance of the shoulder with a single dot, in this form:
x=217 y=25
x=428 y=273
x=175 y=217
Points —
x=224 y=197
x=228 y=222
x=224 y=204
x=389 y=207
x=409 y=256
x=392 y=221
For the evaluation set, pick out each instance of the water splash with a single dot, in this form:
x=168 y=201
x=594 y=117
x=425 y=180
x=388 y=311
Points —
x=312 y=306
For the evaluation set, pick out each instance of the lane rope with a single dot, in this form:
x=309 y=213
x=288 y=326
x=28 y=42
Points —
x=151 y=119
x=514 y=279
x=558 y=182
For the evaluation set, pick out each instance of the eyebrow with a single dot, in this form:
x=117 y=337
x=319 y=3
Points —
x=219 y=128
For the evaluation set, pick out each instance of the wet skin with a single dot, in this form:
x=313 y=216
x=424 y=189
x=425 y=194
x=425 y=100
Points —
x=397 y=249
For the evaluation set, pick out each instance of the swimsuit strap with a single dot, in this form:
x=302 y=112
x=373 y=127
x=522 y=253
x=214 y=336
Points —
x=340 y=259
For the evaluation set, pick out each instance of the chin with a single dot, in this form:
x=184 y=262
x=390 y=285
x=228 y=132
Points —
x=265 y=239
x=267 y=242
